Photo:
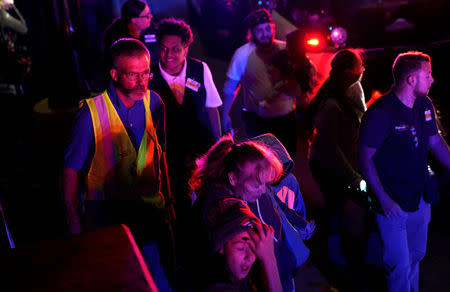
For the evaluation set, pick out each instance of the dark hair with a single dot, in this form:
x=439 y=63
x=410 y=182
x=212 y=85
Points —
x=295 y=43
x=294 y=55
x=408 y=62
x=283 y=63
x=258 y=16
x=172 y=26
x=228 y=218
x=128 y=47
x=301 y=71
x=131 y=9
x=227 y=156
x=342 y=61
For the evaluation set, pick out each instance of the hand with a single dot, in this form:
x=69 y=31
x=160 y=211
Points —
x=308 y=231
x=390 y=208
x=261 y=241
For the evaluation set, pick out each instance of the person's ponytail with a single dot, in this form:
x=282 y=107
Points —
x=210 y=167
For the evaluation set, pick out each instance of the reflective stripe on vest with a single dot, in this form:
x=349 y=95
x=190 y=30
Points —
x=117 y=171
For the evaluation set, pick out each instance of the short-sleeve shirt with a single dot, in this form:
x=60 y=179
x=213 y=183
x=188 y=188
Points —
x=250 y=68
x=239 y=61
x=400 y=136
x=80 y=148
x=178 y=84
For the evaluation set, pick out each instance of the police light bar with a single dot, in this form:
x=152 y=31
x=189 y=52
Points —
x=313 y=42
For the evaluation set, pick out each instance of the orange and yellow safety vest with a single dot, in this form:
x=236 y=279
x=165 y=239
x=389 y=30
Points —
x=117 y=171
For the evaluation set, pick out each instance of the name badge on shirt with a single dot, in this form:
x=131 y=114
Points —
x=402 y=128
x=192 y=84
x=150 y=38
x=428 y=115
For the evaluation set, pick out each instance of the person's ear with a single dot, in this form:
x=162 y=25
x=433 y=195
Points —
x=114 y=74
x=221 y=250
x=411 y=80
x=232 y=178
x=133 y=21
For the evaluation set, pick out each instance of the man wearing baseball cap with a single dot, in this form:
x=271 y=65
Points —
x=263 y=111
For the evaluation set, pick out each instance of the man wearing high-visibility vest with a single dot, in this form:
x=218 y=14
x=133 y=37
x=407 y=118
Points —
x=116 y=159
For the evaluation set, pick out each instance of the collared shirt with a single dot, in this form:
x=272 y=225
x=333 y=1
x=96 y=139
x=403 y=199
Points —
x=178 y=84
x=80 y=148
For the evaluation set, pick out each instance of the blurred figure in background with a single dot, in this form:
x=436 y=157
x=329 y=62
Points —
x=10 y=18
x=304 y=71
x=336 y=113
x=263 y=112
x=135 y=22
x=294 y=75
x=224 y=32
x=15 y=65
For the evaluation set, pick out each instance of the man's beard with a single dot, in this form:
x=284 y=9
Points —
x=267 y=44
x=135 y=93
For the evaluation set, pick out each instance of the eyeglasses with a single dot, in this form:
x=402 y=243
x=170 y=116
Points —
x=134 y=76
x=148 y=15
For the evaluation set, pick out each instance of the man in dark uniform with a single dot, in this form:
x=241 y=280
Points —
x=396 y=133
x=191 y=98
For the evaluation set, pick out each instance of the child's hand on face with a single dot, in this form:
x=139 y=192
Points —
x=261 y=242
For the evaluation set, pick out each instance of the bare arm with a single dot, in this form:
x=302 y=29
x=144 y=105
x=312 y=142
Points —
x=70 y=187
x=367 y=166
x=440 y=149
x=230 y=90
x=214 y=121
x=7 y=20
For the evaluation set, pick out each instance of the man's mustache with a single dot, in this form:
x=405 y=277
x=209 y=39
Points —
x=140 y=88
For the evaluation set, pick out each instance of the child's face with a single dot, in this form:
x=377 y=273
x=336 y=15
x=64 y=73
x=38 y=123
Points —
x=238 y=256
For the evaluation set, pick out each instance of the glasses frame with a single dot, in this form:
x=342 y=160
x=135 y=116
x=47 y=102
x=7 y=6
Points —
x=135 y=76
